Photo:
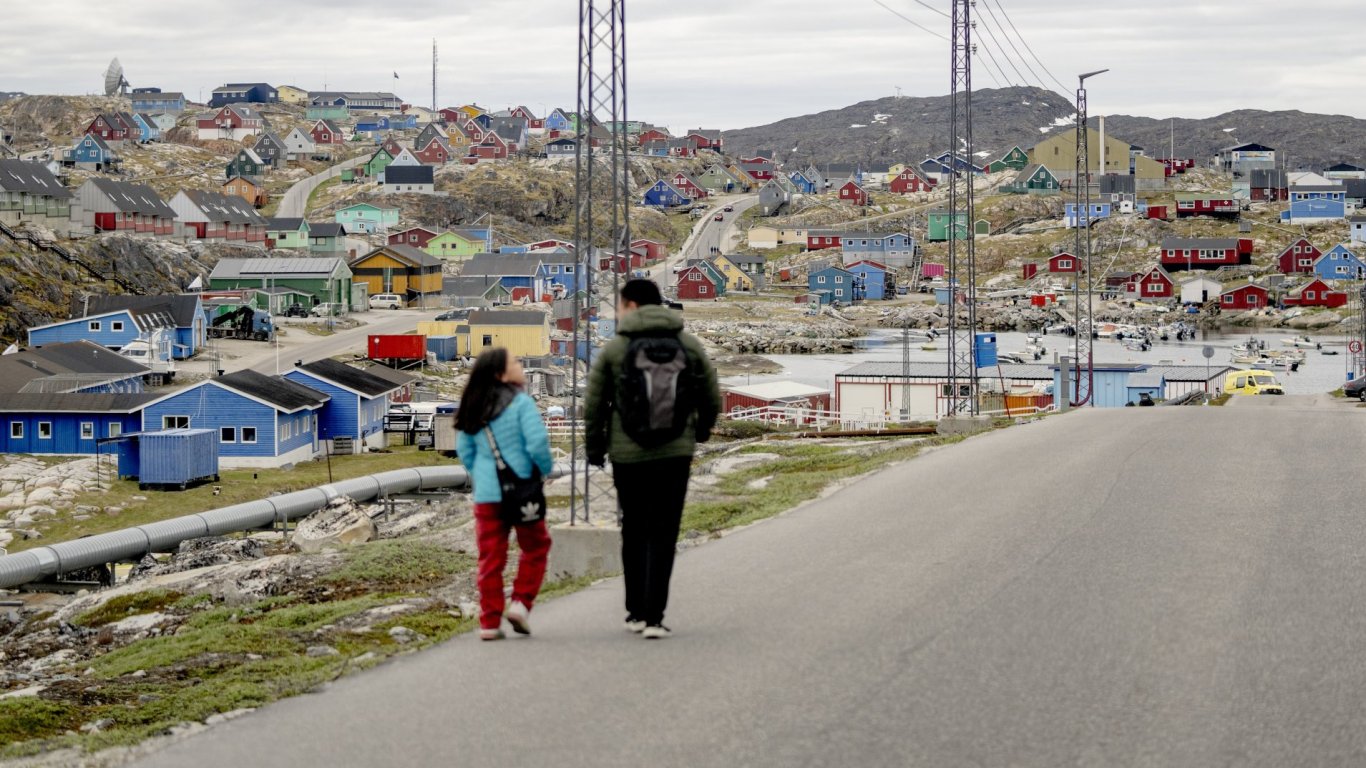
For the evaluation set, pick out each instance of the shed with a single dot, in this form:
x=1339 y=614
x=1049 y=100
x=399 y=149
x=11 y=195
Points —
x=170 y=458
x=776 y=394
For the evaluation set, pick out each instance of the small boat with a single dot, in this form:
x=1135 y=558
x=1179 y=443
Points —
x=930 y=347
x=1302 y=342
x=1328 y=351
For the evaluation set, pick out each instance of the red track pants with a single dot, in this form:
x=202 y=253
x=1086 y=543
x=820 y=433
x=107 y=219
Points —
x=492 y=537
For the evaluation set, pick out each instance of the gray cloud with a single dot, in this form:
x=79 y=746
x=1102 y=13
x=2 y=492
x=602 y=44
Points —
x=717 y=63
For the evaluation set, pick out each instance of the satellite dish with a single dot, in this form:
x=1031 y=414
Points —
x=113 y=79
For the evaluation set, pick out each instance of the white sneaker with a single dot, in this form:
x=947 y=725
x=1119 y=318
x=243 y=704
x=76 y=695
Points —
x=519 y=616
x=656 y=632
x=491 y=634
x=634 y=626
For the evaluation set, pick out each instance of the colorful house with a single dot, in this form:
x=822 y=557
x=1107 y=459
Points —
x=324 y=279
x=326 y=238
x=327 y=132
x=248 y=188
x=153 y=101
x=287 y=233
x=523 y=332
x=1205 y=252
x=1310 y=204
x=211 y=216
x=366 y=217
x=29 y=192
x=1316 y=293
x=270 y=148
x=878 y=282
x=938 y=228
x=719 y=178
x=357 y=403
x=804 y=185
x=1065 y=264
x=851 y=192
x=262 y=421
x=520 y=273
x=92 y=153
x=1298 y=257
x=147 y=127
x=895 y=249
x=1190 y=204
x=835 y=285
x=820 y=239
x=1034 y=180
x=456 y=245
x=230 y=124
x=1243 y=297
x=1016 y=159
x=374 y=167
x=121 y=206
x=911 y=180
x=1156 y=283
x=663 y=194
x=1095 y=212
x=400 y=269
x=689 y=186
x=743 y=273
x=1340 y=263
x=696 y=284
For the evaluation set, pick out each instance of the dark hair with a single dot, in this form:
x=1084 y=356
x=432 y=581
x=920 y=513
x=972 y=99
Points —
x=641 y=292
x=481 y=392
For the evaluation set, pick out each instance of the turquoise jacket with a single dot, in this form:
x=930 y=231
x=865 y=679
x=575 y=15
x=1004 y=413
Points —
x=522 y=440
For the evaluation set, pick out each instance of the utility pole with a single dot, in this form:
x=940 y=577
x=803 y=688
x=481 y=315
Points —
x=602 y=193
x=1082 y=305
x=433 y=75
x=962 y=266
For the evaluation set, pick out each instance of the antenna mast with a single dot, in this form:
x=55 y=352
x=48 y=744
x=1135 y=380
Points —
x=433 y=75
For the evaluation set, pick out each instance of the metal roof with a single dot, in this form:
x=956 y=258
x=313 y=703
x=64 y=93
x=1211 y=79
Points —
x=276 y=267
x=778 y=390
x=181 y=307
x=408 y=174
x=1183 y=243
x=941 y=370
x=278 y=391
x=30 y=178
x=475 y=286
x=72 y=358
x=32 y=402
x=231 y=209
x=345 y=376
x=507 y=317
x=404 y=253
x=133 y=198
x=325 y=229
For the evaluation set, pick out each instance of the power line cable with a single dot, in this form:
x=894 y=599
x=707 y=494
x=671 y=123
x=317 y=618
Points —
x=910 y=21
x=1025 y=43
x=931 y=7
x=992 y=59
x=1001 y=28
x=987 y=28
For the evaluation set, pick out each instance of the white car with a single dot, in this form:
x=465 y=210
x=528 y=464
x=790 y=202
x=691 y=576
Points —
x=386 y=301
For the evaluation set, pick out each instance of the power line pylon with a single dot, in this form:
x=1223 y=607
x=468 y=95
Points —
x=962 y=255
x=602 y=193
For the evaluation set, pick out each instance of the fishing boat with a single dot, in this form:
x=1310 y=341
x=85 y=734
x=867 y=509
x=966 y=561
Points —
x=930 y=347
x=1302 y=342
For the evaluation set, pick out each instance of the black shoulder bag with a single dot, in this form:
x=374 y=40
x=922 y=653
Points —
x=523 y=497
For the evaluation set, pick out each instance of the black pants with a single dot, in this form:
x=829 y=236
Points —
x=651 y=496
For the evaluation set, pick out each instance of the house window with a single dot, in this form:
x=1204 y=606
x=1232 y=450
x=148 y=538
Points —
x=87 y=430
x=16 y=430
x=227 y=434
x=488 y=340
x=820 y=280
x=115 y=429
x=249 y=434
x=175 y=422
x=44 y=430
x=94 y=326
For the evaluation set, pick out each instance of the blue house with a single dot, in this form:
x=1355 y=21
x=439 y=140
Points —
x=150 y=130
x=112 y=330
x=895 y=249
x=520 y=273
x=185 y=310
x=92 y=152
x=243 y=93
x=664 y=195
x=803 y=184
x=75 y=367
x=1098 y=211
x=356 y=406
x=558 y=121
x=484 y=119
x=842 y=286
x=1309 y=204
x=872 y=278
x=153 y=101
x=402 y=122
x=262 y=421
x=1340 y=264
x=562 y=269
x=66 y=424
x=1111 y=386
x=374 y=125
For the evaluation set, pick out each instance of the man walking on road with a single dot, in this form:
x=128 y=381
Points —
x=652 y=396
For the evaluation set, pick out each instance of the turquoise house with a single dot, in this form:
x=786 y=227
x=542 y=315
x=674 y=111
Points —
x=368 y=218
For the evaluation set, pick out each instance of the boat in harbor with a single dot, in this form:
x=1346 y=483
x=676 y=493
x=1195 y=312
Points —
x=1302 y=342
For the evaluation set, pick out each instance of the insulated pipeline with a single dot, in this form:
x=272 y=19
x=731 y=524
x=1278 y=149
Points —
x=164 y=536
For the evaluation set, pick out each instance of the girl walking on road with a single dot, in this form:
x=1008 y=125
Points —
x=497 y=419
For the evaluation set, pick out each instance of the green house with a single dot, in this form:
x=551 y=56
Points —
x=938 y=230
x=1033 y=180
x=323 y=280
x=326 y=238
x=288 y=233
x=326 y=113
x=378 y=162
x=455 y=246
x=719 y=178
x=246 y=163
x=1016 y=159
x=365 y=217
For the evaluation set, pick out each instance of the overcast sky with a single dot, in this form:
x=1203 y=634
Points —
x=711 y=63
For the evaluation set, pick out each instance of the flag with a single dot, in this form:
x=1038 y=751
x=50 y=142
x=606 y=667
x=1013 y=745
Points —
x=395 y=75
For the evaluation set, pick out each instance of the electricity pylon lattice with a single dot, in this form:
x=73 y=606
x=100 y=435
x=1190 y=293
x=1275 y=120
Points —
x=962 y=267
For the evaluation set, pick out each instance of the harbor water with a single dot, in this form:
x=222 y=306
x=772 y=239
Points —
x=1318 y=373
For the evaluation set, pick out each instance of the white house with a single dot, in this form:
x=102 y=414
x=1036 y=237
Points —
x=1200 y=289
x=1358 y=224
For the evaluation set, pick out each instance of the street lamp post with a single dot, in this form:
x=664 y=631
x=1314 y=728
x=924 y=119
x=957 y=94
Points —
x=1082 y=204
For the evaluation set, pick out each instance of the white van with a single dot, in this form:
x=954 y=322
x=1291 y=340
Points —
x=386 y=301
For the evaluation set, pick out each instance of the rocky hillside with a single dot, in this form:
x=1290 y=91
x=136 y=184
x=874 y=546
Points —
x=899 y=129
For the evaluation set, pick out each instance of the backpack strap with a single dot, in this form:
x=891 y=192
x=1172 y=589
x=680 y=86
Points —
x=493 y=445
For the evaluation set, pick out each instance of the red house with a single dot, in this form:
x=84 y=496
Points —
x=326 y=132
x=694 y=284
x=491 y=147
x=818 y=239
x=533 y=123
x=654 y=134
x=654 y=250
x=1298 y=257
x=1064 y=263
x=1205 y=252
x=701 y=138
x=416 y=237
x=777 y=394
x=1153 y=284
x=853 y=193
x=1316 y=293
x=435 y=153
x=1206 y=204
x=452 y=116
x=474 y=130
x=688 y=186
x=1029 y=271
x=911 y=180
x=109 y=127
x=545 y=245
x=1244 y=297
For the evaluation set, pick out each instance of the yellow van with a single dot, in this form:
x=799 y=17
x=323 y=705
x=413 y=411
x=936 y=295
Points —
x=1253 y=382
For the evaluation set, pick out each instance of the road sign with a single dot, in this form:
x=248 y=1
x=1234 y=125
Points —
x=1354 y=346
x=1208 y=351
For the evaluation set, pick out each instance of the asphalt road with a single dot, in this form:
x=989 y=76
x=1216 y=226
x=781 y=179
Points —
x=1132 y=587
x=295 y=202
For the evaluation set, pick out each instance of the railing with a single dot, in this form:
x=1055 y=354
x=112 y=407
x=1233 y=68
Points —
x=67 y=256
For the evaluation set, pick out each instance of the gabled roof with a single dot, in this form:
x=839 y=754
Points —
x=133 y=198
x=277 y=391
x=1343 y=168
x=327 y=124
x=402 y=252
x=470 y=286
x=279 y=267
x=84 y=360
x=349 y=378
x=268 y=137
x=217 y=206
x=408 y=174
x=507 y=317
x=286 y=225
x=182 y=308
x=1026 y=173
x=325 y=229
x=503 y=264
x=32 y=179
x=33 y=402
x=739 y=259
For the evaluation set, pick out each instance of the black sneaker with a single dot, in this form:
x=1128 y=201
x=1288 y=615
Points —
x=656 y=632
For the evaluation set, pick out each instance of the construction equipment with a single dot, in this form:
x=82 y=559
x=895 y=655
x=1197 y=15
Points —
x=243 y=323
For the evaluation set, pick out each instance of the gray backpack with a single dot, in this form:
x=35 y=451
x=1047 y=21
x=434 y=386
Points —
x=655 y=393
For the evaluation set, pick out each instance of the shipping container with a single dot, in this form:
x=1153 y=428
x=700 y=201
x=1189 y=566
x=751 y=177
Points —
x=443 y=348
x=172 y=457
x=931 y=270
x=397 y=347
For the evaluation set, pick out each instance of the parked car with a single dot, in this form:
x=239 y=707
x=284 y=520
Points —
x=296 y=310
x=386 y=301
x=1356 y=388
x=326 y=310
x=1252 y=382
x=453 y=315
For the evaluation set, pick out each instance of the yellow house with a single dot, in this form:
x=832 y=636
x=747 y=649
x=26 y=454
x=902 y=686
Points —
x=740 y=272
x=1148 y=174
x=1059 y=154
x=764 y=236
x=400 y=269
x=290 y=94
x=471 y=111
x=523 y=332
x=894 y=172
x=746 y=180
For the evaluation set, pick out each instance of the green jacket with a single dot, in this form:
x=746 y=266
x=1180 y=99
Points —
x=605 y=434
